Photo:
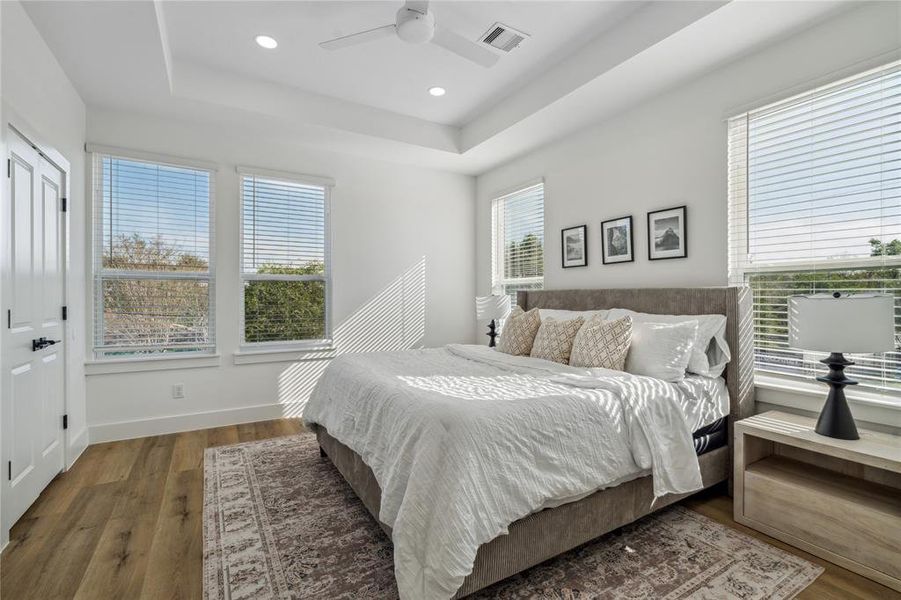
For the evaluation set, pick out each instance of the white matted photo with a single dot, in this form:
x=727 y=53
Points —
x=667 y=234
x=616 y=241
x=574 y=251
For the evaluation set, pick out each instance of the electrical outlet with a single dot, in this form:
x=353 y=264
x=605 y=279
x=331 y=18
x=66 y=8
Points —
x=178 y=390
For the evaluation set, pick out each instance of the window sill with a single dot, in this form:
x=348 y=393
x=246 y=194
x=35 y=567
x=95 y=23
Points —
x=250 y=356
x=156 y=363
x=809 y=396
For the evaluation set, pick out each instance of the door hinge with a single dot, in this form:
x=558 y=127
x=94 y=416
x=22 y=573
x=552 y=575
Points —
x=65 y=313
x=9 y=318
x=65 y=421
x=64 y=204
x=9 y=167
x=9 y=470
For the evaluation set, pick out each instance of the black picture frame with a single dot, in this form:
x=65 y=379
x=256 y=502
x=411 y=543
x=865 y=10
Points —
x=631 y=235
x=574 y=262
x=680 y=234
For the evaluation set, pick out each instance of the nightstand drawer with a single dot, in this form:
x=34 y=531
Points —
x=851 y=518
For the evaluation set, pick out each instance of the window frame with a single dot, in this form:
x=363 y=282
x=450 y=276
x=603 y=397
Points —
x=286 y=346
x=498 y=246
x=742 y=270
x=99 y=352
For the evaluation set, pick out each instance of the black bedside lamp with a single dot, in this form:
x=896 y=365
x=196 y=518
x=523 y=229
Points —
x=837 y=323
x=493 y=308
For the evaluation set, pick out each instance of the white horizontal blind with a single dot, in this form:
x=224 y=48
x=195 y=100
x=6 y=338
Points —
x=284 y=261
x=815 y=206
x=153 y=279
x=517 y=258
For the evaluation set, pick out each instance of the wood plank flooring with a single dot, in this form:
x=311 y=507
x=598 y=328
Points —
x=125 y=523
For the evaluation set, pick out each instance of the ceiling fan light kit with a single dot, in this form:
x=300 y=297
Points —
x=415 y=27
x=415 y=24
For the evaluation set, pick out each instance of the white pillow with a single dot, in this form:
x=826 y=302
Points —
x=661 y=350
x=710 y=354
x=566 y=315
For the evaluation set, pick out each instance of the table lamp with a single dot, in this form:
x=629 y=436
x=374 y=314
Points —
x=492 y=308
x=838 y=323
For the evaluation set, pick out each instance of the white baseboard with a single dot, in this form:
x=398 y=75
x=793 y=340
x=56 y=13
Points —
x=78 y=443
x=126 y=430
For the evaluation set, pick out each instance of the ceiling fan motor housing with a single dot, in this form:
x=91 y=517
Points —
x=415 y=27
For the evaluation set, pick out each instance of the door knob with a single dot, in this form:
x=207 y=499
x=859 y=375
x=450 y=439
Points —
x=41 y=343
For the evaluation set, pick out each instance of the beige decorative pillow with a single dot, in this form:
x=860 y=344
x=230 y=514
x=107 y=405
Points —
x=602 y=344
x=519 y=332
x=554 y=340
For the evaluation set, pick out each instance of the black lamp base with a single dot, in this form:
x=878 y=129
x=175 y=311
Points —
x=492 y=334
x=835 y=419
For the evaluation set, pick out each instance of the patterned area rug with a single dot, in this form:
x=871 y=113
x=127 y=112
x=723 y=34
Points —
x=281 y=522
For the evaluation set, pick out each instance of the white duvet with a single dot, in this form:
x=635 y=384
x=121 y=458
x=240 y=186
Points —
x=464 y=440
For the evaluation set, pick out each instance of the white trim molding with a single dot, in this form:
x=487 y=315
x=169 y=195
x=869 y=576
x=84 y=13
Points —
x=510 y=190
x=248 y=355
x=810 y=396
x=285 y=175
x=127 y=430
x=168 y=159
x=78 y=443
x=154 y=363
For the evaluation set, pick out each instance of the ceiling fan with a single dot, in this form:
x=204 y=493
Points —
x=415 y=24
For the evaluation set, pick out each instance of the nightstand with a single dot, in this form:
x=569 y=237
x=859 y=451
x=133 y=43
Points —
x=837 y=499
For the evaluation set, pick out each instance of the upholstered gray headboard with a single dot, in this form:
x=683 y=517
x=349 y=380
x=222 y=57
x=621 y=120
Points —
x=734 y=302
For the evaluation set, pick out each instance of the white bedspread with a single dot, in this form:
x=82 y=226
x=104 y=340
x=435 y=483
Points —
x=464 y=441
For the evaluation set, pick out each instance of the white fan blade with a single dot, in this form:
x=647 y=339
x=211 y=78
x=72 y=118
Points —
x=420 y=6
x=460 y=46
x=358 y=38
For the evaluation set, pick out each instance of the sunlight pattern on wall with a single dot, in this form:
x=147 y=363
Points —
x=393 y=319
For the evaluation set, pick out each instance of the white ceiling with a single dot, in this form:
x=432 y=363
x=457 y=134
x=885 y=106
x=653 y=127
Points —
x=389 y=74
x=198 y=61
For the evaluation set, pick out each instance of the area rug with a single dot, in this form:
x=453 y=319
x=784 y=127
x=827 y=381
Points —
x=280 y=522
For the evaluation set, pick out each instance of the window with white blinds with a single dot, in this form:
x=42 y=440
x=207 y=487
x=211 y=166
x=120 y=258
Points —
x=815 y=206
x=153 y=256
x=517 y=225
x=284 y=261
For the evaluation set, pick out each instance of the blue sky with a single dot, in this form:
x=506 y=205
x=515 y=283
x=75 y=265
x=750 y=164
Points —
x=284 y=222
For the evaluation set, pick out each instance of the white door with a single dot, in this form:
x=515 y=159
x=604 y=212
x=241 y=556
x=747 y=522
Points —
x=32 y=355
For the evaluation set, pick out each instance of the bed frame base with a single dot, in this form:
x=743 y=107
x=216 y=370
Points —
x=542 y=535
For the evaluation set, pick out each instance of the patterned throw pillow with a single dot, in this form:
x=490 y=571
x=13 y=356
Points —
x=602 y=344
x=554 y=340
x=519 y=332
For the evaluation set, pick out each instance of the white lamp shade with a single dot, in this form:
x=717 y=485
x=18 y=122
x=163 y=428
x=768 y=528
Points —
x=858 y=323
x=492 y=307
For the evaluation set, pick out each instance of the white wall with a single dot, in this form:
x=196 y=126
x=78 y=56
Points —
x=672 y=151
x=403 y=253
x=39 y=99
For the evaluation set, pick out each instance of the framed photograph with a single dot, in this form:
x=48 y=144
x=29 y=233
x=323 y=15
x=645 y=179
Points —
x=616 y=241
x=667 y=234
x=575 y=254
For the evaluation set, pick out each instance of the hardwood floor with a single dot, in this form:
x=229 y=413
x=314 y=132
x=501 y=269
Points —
x=125 y=523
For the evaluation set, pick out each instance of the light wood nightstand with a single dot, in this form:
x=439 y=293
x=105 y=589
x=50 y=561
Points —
x=837 y=499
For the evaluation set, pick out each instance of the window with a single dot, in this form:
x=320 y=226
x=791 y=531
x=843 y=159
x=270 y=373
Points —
x=153 y=280
x=517 y=245
x=284 y=261
x=815 y=206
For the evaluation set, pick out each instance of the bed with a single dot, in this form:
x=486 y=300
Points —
x=549 y=528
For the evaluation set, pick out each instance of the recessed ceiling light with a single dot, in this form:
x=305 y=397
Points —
x=266 y=41
x=437 y=91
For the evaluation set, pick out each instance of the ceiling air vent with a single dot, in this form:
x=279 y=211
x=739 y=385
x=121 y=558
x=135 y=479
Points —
x=503 y=38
